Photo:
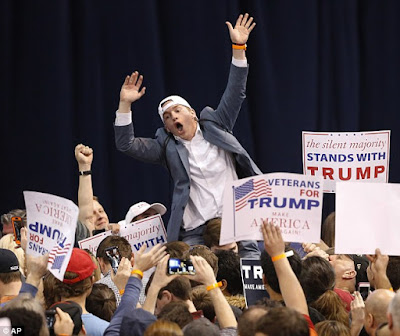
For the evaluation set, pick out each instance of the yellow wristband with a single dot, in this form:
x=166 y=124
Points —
x=138 y=272
x=283 y=255
x=239 y=46
x=391 y=289
x=216 y=285
x=121 y=292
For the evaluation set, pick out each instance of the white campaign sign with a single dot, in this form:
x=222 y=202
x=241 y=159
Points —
x=92 y=243
x=358 y=156
x=291 y=201
x=149 y=231
x=51 y=229
x=367 y=217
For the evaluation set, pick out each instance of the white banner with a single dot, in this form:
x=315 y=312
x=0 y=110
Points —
x=92 y=243
x=356 y=156
x=367 y=217
x=149 y=231
x=291 y=201
x=51 y=229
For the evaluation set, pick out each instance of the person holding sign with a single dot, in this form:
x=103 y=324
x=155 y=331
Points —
x=201 y=155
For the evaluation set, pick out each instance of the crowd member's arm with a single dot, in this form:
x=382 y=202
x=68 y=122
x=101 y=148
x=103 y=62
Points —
x=378 y=266
x=84 y=157
x=36 y=269
x=291 y=290
x=142 y=262
x=357 y=314
x=205 y=275
x=160 y=280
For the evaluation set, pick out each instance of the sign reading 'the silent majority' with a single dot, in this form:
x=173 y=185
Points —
x=361 y=156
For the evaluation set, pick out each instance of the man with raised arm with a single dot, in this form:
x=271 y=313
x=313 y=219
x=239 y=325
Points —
x=202 y=156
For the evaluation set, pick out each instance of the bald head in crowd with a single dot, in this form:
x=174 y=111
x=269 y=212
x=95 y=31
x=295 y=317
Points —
x=394 y=316
x=376 y=307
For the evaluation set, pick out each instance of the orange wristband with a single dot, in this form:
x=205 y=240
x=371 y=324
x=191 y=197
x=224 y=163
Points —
x=138 y=272
x=121 y=292
x=283 y=255
x=216 y=285
x=239 y=46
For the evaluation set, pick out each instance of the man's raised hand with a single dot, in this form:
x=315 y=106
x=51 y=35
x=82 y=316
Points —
x=243 y=27
x=130 y=90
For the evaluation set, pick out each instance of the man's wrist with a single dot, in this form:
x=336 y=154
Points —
x=84 y=167
x=124 y=106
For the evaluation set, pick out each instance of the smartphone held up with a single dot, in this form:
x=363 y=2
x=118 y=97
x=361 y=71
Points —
x=180 y=266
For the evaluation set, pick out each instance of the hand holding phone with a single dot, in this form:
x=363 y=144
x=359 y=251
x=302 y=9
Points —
x=180 y=266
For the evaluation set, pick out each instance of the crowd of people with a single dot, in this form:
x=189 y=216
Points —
x=110 y=293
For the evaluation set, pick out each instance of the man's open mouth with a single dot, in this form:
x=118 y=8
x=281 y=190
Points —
x=179 y=126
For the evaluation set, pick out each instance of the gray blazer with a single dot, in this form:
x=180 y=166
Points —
x=216 y=126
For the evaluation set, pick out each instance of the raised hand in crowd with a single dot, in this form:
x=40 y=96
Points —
x=123 y=273
x=205 y=275
x=377 y=269
x=357 y=314
x=145 y=260
x=313 y=250
x=36 y=268
x=291 y=290
x=160 y=280
x=24 y=238
x=84 y=157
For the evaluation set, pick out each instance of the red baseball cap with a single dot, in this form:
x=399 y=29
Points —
x=80 y=263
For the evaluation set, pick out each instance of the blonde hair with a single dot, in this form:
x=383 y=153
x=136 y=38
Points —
x=163 y=328
x=7 y=242
x=332 y=328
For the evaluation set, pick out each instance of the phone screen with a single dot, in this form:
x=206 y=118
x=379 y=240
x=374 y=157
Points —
x=17 y=225
x=113 y=256
x=180 y=266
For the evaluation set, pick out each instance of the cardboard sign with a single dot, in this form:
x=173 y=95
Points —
x=253 y=287
x=362 y=156
x=149 y=231
x=51 y=229
x=291 y=201
x=367 y=217
x=92 y=243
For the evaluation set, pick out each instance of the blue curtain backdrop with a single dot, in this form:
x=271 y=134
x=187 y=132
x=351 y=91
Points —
x=316 y=65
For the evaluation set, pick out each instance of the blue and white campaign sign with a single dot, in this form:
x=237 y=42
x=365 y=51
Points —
x=149 y=231
x=253 y=287
x=51 y=229
x=291 y=201
x=367 y=217
x=356 y=156
x=92 y=243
